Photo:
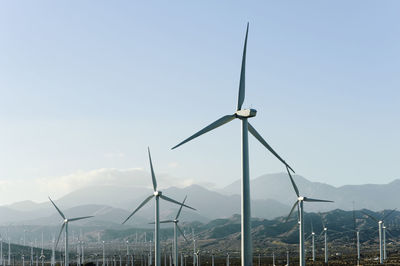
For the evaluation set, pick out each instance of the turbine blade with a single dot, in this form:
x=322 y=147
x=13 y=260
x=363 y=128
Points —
x=166 y=221
x=223 y=120
x=254 y=132
x=79 y=218
x=153 y=176
x=174 y=201
x=163 y=222
x=59 y=235
x=180 y=230
x=59 y=211
x=243 y=73
x=138 y=208
x=293 y=183
x=180 y=208
x=388 y=214
x=316 y=200
x=291 y=211
x=322 y=221
x=370 y=216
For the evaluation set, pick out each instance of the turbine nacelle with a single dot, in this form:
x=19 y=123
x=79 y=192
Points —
x=157 y=193
x=65 y=220
x=301 y=198
x=246 y=113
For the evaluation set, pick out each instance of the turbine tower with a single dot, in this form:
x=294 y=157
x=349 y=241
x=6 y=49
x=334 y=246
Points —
x=358 y=247
x=65 y=225
x=299 y=204
x=326 y=243
x=53 y=253
x=176 y=228
x=381 y=232
x=157 y=195
x=384 y=240
x=243 y=115
x=312 y=242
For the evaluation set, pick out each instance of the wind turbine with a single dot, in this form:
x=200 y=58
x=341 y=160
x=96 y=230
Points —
x=312 y=242
x=176 y=228
x=42 y=257
x=385 y=230
x=53 y=253
x=65 y=225
x=287 y=258
x=299 y=204
x=273 y=258
x=243 y=115
x=325 y=232
x=384 y=241
x=157 y=195
x=194 y=247
x=382 y=245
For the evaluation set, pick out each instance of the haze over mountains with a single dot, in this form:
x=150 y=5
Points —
x=272 y=196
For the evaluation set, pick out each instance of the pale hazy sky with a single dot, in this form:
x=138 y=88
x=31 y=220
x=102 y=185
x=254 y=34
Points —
x=88 y=85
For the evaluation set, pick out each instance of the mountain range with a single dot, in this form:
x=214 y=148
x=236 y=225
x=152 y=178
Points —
x=272 y=196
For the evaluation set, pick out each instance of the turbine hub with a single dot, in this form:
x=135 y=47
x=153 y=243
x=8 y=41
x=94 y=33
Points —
x=380 y=222
x=301 y=198
x=246 y=113
x=157 y=193
x=66 y=221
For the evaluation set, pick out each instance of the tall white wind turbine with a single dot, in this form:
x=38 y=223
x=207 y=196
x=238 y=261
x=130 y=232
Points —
x=65 y=225
x=299 y=204
x=381 y=226
x=157 y=195
x=176 y=228
x=243 y=115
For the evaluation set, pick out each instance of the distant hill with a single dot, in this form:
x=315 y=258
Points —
x=224 y=234
x=278 y=187
x=272 y=196
x=209 y=205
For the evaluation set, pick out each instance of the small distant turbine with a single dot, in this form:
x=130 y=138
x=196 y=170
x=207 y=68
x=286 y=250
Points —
x=325 y=232
x=299 y=205
x=157 y=195
x=243 y=115
x=312 y=235
x=65 y=225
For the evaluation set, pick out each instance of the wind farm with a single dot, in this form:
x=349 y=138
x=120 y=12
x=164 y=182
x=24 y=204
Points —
x=87 y=88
